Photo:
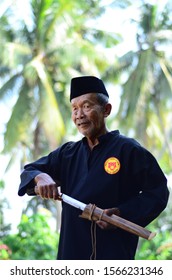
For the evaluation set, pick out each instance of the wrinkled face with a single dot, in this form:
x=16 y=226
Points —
x=88 y=115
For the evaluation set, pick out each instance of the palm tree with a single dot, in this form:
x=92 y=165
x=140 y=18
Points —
x=38 y=59
x=145 y=107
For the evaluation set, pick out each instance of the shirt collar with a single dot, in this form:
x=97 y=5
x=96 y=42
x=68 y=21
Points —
x=103 y=138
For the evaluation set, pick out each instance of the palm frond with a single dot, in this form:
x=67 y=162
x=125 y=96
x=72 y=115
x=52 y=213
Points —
x=51 y=113
x=16 y=54
x=133 y=87
x=4 y=70
x=166 y=71
x=20 y=120
x=7 y=88
x=107 y=39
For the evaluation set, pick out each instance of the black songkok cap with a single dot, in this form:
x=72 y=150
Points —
x=86 y=84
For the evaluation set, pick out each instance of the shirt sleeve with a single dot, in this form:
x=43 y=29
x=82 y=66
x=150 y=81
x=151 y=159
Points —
x=151 y=195
x=47 y=164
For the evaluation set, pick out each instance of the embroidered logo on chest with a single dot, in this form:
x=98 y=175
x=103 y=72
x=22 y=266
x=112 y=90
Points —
x=112 y=165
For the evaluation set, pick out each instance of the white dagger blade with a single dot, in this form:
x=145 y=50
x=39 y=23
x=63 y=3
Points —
x=73 y=202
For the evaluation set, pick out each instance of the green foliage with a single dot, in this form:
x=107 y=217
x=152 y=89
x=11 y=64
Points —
x=34 y=240
x=4 y=228
x=16 y=127
x=159 y=248
x=1 y=185
x=5 y=251
x=145 y=106
x=38 y=60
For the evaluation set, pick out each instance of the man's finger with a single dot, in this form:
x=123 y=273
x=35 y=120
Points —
x=36 y=190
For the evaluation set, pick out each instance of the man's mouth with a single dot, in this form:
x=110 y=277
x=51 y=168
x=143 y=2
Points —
x=83 y=124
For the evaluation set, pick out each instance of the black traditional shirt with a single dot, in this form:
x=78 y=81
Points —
x=118 y=172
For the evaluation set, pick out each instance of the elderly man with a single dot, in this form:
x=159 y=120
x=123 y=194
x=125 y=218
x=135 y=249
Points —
x=104 y=167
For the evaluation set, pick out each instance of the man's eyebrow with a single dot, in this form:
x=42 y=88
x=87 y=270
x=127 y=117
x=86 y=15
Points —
x=83 y=102
x=87 y=101
x=73 y=104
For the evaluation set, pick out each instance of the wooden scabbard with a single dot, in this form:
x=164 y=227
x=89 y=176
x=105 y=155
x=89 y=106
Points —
x=94 y=213
x=91 y=212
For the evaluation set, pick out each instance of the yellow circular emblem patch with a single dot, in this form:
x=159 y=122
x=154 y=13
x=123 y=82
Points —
x=112 y=165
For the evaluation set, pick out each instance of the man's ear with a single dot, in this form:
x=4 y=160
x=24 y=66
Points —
x=107 y=110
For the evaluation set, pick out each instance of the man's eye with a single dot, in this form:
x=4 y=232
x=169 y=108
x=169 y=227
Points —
x=86 y=106
x=74 y=111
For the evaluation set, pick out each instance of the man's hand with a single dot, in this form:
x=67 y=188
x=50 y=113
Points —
x=46 y=187
x=109 y=212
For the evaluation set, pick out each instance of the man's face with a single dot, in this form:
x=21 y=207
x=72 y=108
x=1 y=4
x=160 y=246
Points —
x=88 y=115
